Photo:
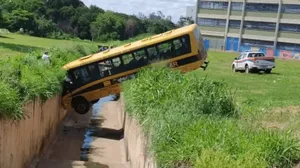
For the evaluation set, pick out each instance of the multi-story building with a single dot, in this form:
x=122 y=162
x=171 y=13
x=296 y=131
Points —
x=270 y=26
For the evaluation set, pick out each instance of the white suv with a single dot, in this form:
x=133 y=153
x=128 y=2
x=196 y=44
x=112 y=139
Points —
x=253 y=61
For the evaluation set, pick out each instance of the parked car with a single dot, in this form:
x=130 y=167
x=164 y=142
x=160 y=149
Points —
x=253 y=62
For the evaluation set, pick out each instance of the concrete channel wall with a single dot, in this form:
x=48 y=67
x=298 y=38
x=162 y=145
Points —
x=135 y=141
x=22 y=141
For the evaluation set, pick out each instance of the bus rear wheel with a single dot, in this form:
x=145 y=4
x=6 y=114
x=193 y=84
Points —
x=80 y=105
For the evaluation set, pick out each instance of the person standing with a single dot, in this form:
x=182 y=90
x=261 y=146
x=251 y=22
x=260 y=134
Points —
x=46 y=57
x=100 y=48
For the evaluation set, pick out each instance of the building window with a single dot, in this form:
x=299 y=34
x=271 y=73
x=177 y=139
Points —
x=212 y=22
x=257 y=43
x=235 y=24
x=259 y=25
x=289 y=27
x=288 y=46
x=290 y=8
x=237 y=6
x=262 y=7
x=213 y=5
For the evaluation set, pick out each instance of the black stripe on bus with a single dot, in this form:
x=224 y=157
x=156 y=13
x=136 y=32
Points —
x=94 y=87
x=187 y=60
x=115 y=81
x=101 y=85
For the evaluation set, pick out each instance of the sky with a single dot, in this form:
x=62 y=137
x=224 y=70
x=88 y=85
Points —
x=174 y=8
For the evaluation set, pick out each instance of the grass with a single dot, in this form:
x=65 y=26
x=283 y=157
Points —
x=195 y=120
x=268 y=99
x=265 y=90
x=16 y=44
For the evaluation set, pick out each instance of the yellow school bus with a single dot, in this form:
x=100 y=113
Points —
x=96 y=76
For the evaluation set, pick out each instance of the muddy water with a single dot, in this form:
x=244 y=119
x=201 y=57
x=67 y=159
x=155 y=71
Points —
x=94 y=126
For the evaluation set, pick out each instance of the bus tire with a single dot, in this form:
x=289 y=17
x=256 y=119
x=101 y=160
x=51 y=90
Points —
x=80 y=105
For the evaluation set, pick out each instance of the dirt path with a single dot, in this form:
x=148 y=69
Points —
x=90 y=141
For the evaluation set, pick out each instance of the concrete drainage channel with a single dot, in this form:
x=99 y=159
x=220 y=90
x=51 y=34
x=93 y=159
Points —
x=95 y=129
x=90 y=141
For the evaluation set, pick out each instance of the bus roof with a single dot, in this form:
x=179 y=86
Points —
x=130 y=47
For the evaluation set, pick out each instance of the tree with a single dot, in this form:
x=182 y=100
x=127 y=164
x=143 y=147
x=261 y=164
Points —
x=67 y=12
x=184 y=21
x=72 y=18
x=33 y=6
x=1 y=18
x=158 y=23
x=45 y=27
x=131 y=28
x=108 y=26
x=21 y=19
x=57 y=4
x=95 y=11
x=82 y=19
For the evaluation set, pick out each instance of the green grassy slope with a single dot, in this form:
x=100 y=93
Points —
x=268 y=99
x=16 y=44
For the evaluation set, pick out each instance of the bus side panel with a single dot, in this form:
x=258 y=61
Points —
x=100 y=93
x=191 y=66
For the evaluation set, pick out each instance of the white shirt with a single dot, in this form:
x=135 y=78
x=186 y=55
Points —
x=46 y=58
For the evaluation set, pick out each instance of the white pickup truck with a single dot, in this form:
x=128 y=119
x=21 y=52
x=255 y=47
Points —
x=253 y=61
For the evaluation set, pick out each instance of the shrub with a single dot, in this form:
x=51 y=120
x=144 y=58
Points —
x=10 y=104
x=27 y=78
x=192 y=121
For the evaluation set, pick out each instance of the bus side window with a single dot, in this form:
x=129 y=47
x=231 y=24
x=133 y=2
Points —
x=166 y=50
x=116 y=62
x=178 y=46
x=152 y=54
x=105 y=68
x=117 y=66
x=94 y=71
x=127 y=59
x=141 y=57
x=186 y=44
x=82 y=76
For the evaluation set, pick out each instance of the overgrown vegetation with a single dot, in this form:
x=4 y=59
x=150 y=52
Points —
x=195 y=122
x=23 y=79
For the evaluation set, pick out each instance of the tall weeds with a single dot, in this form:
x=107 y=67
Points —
x=23 y=79
x=192 y=121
